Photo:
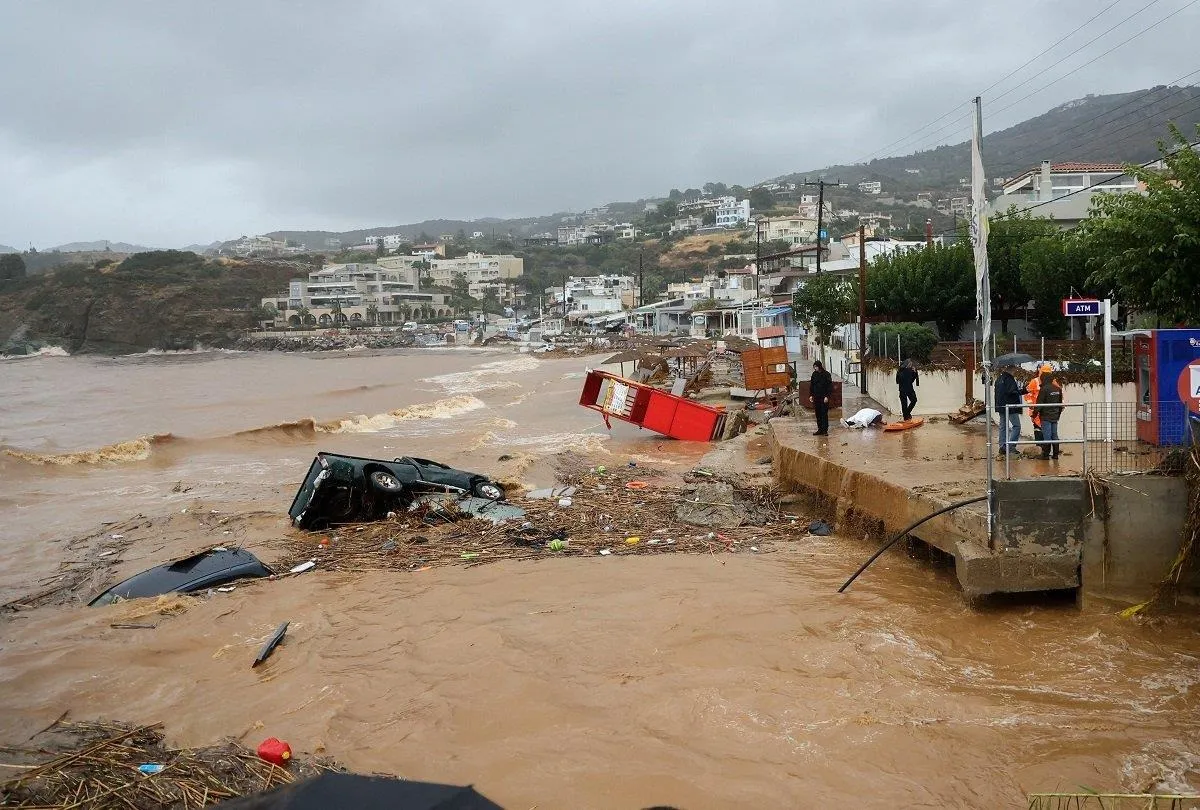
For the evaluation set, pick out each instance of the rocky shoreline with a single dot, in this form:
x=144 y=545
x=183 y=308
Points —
x=325 y=343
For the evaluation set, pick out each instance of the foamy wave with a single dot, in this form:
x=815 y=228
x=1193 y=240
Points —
x=441 y=409
x=548 y=443
x=483 y=377
x=300 y=429
x=138 y=449
x=197 y=349
x=45 y=351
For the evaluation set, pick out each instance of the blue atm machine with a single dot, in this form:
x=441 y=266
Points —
x=1167 y=375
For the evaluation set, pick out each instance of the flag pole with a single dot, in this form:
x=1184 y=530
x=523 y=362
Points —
x=983 y=296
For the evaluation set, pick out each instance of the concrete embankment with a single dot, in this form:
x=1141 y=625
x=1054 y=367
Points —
x=1053 y=530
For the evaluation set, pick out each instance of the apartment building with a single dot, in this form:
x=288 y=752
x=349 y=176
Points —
x=476 y=267
x=794 y=230
x=592 y=295
x=356 y=294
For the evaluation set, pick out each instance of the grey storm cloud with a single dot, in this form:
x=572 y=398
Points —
x=169 y=123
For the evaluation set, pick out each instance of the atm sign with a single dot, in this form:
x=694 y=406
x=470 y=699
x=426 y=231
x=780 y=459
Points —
x=1081 y=307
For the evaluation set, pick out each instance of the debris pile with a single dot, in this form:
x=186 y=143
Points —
x=103 y=765
x=619 y=511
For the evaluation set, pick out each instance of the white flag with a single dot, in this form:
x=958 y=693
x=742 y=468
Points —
x=979 y=234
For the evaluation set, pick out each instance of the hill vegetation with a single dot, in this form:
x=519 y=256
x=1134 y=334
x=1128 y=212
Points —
x=165 y=299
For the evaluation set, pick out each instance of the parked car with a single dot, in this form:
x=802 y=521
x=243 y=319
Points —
x=350 y=489
x=208 y=569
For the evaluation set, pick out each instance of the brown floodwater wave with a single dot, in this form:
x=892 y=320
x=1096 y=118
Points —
x=728 y=681
x=138 y=449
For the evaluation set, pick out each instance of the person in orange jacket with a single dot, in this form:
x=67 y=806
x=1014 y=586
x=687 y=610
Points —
x=1031 y=395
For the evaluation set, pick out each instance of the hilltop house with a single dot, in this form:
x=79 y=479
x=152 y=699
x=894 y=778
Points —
x=355 y=294
x=1063 y=192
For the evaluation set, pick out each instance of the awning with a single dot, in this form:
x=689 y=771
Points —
x=771 y=312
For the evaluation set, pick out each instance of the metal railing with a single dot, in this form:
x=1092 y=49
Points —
x=1007 y=445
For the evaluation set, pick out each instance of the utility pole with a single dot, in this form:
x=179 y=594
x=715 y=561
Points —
x=820 y=184
x=862 y=308
x=757 y=252
x=641 y=292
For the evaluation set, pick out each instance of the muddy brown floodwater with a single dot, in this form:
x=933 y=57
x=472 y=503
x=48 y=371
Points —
x=735 y=680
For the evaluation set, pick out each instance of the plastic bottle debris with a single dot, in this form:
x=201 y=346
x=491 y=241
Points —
x=654 y=542
x=275 y=751
x=564 y=502
x=391 y=515
x=670 y=541
x=227 y=589
x=556 y=545
x=150 y=768
x=302 y=567
x=754 y=548
x=117 y=536
x=106 y=553
x=469 y=555
x=606 y=551
x=632 y=541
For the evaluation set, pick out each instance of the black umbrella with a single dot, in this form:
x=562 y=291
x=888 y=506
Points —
x=351 y=791
x=1012 y=359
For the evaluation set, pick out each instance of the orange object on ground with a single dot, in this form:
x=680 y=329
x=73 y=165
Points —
x=636 y=485
x=275 y=751
x=907 y=424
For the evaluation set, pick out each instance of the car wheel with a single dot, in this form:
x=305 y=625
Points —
x=489 y=490
x=386 y=481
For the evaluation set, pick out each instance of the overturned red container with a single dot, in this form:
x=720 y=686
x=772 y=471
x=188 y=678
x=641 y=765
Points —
x=650 y=408
x=275 y=751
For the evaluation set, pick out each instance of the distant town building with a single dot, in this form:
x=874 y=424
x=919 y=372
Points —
x=725 y=288
x=257 y=245
x=683 y=224
x=355 y=295
x=476 y=267
x=960 y=206
x=733 y=213
x=793 y=230
x=870 y=187
x=594 y=295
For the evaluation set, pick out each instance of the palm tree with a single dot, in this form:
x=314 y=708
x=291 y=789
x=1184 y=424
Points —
x=335 y=312
x=305 y=313
x=372 y=313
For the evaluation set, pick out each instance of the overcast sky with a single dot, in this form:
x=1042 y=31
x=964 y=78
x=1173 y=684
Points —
x=170 y=122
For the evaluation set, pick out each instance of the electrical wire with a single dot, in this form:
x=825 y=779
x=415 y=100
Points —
x=1093 y=60
x=883 y=151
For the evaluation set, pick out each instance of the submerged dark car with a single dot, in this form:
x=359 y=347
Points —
x=208 y=569
x=349 y=489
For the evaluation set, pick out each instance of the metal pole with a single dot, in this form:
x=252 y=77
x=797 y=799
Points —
x=1108 y=394
x=1084 y=436
x=862 y=307
x=1008 y=447
x=1043 y=351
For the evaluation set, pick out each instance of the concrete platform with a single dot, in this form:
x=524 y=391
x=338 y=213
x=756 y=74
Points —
x=874 y=484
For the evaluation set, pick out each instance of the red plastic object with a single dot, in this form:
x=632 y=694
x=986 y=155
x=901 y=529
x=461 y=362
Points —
x=648 y=407
x=275 y=751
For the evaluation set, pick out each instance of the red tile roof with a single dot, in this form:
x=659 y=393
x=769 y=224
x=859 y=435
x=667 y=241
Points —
x=1072 y=166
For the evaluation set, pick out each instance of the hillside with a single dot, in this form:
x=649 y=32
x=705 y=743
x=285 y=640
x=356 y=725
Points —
x=1119 y=128
x=157 y=300
x=7 y=249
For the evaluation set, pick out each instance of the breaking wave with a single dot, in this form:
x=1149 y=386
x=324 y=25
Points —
x=138 y=449
x=547 y=443
x=299 y=429
x=484 y=377
x=45 y=351
x=441 y=409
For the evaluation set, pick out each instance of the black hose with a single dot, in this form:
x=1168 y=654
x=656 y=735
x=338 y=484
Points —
x=904 y=532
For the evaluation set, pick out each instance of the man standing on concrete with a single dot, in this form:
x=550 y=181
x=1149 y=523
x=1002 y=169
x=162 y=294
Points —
x=820 y=389
x=1049 y=398
x=906 y=378
x=1008 y=392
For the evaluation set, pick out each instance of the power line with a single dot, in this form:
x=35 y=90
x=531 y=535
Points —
x=1077 y=50
x=1047 y=50
x=883 y=151
x=1145 y=165
x=1070 y=134
x=1097 y=58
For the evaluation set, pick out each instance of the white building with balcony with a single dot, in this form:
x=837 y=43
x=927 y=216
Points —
x=733 y=214
x=356 y=294
x=724 y=287
x=794 y=230
x=594 y=295
x=476 y=267
x=870 y=187
x=1063 y=192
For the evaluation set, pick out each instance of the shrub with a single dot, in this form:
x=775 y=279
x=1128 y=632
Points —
x=916 y=341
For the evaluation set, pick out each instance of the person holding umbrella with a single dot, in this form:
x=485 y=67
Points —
x=1008 y=392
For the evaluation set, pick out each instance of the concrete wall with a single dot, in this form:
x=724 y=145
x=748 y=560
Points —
x=940 y=392
x=1127 y=554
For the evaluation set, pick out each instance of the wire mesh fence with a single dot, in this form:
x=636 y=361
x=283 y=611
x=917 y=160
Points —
x=1126 y=437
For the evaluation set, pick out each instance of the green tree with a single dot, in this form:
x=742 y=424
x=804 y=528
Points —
x=11 y=266
x=1054 y=268
x=675 y=195
x=761 y=199
x=1146 y=249
x=928 y=284
x=335 y=313
x=1008 y=239
x=709 y=217
x=372 y=314
x=668 y=210
x=380 y=250
x=824 y=302
x=305 y=315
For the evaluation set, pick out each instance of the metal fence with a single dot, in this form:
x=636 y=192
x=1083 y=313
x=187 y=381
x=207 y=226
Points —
x=1112 y=801
x=1113 y=444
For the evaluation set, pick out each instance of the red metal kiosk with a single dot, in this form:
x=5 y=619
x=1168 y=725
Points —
x=650 y=408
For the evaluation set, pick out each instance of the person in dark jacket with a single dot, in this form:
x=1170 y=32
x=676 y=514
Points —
x=906 y=378
x=1049 y=397
x=1008 y=392
x=820 y=389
